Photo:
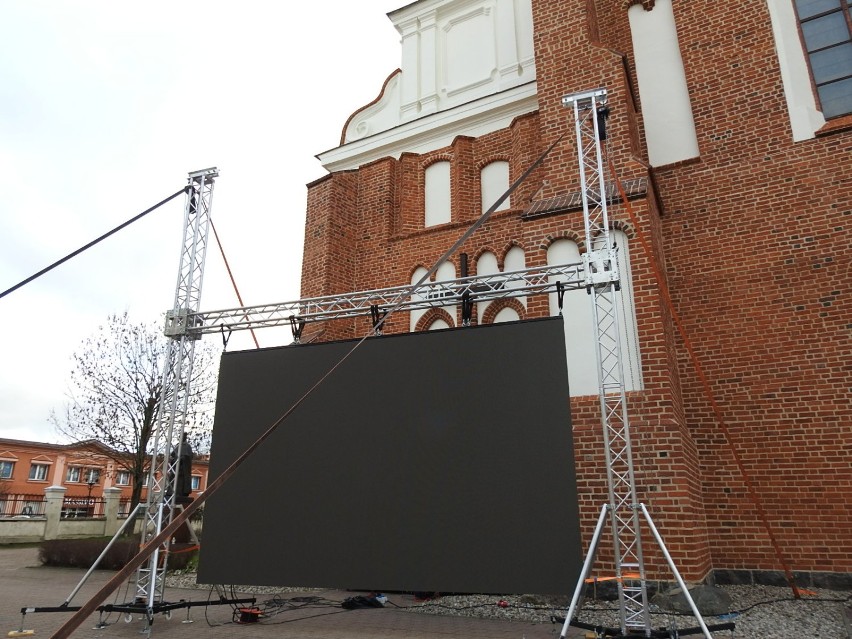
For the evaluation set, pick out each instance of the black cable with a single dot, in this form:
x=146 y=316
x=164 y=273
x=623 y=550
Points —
x=92 y=243
x=322 y=614
x=270 y=609
x=207 y=607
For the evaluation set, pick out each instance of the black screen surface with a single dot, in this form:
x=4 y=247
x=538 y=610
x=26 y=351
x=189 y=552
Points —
x=438 y=461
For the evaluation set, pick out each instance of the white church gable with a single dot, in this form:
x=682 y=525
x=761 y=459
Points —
x=467 y=68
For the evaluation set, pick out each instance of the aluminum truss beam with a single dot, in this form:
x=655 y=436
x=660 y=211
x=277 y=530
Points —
x=480 y=288
x=177 y=373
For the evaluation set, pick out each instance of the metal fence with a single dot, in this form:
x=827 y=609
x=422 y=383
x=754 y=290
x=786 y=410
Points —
x=82 y=507
x=22 y=506
x=123 y=508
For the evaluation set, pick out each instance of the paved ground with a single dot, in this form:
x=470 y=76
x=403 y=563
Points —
x=23 y=582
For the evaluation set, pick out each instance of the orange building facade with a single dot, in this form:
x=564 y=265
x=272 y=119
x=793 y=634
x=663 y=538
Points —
x=85 y=469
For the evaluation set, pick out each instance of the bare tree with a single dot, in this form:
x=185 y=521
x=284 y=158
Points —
x=115 y=394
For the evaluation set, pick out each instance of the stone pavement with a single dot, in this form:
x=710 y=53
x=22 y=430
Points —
x=23 y=582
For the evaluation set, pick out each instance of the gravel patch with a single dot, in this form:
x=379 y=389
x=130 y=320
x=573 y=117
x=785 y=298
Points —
x=760 y=612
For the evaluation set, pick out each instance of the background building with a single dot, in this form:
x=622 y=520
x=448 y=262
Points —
x=731 y=129
x=85 y=469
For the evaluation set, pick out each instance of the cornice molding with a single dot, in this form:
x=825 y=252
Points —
x=436 y=130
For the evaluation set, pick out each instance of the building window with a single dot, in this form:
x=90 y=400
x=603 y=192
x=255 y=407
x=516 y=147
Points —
x=6 y=469
x=196 y=482
x=73 y=474
x=92 y=475
x=506 y=314
x=38 y=472
x=437 y=198
x=826 y=27
x=438 y=325
x=122 y=478
x=493 y=182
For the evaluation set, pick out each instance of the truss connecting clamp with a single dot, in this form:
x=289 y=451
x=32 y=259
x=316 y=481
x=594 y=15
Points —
x=297 y=325
x=179 y=321
x=377 y=314
x=205 y=174
x=584 y=96
x=467 y=308
x=601 y=267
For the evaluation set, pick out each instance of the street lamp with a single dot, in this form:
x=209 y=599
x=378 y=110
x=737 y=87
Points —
x=90 y=482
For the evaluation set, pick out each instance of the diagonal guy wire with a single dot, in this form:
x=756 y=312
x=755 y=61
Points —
x=92 y=243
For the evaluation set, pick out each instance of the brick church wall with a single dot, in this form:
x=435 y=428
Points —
x=759 y=265
x=751 y=237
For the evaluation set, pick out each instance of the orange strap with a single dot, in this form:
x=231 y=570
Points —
x=627 y=575
x=233 y=281
x=708 y=392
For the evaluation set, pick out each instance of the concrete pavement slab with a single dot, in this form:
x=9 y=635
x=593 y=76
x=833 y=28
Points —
x=23 y=582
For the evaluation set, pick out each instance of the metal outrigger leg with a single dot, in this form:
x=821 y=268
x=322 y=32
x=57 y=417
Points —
x=590 y=556
x=602 y=280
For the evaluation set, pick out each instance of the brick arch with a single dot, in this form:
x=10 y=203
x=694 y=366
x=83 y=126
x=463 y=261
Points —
x=479 y=253
x=495 y=158
x=565 y=234
x=498 y=305
x=646 y=4
x=414 y=268
x=454 y=260
x=626 y=227
x=443 y=157
x=430 y=316
x=501 y=257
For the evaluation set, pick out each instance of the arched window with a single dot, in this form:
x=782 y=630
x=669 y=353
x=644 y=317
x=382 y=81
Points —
x=486 y=264
x=438 y=324
x=515 y=260
x=415 y=316
x=493 y=182
x=506 y=314
x=437 y=201
x=580 y=334
x=445 y=272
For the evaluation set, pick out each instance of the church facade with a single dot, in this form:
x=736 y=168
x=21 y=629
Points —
x=730 y=128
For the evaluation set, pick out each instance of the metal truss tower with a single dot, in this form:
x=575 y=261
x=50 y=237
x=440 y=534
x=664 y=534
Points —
x=603 y=279
x=177 y=372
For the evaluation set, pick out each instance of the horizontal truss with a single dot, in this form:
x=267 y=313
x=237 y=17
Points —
x=479 y=288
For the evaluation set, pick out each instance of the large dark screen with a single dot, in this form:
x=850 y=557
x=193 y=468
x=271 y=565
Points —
x=438 y=461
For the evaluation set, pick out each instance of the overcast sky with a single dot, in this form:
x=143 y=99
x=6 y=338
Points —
x=105 y=106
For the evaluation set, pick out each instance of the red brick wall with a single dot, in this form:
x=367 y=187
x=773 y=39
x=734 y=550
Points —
x=752 y=241
x=756 y=239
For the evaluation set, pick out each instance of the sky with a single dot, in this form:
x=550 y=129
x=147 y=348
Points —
x=106 y=106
